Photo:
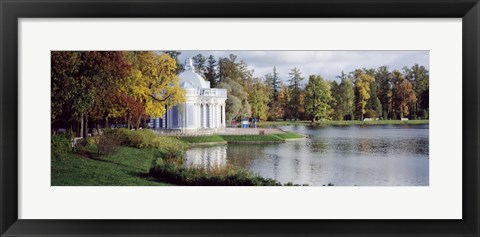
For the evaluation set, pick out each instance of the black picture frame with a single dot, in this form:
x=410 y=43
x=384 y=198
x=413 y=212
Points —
x=11 y=11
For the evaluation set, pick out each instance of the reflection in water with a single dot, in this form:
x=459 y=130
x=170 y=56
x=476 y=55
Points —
x=350 y=155
x=205 y=157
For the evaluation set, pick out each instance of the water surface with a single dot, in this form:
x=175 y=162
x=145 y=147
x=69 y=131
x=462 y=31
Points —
x=384 y=155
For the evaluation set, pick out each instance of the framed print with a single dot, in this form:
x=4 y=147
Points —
x=239 y=118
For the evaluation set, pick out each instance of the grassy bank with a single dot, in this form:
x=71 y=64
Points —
x=269 y=138
x=342 y=123
x=128 y=167
x=289 y=135
x=141 y=158
x=202 y=139
x=173 y=171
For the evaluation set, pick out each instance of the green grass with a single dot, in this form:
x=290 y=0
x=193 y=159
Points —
x=252 y=138
x=342 y=123
x=266 y=124
x=202 y=139
x=240 y=138
x=128 y=167
x=289 y=135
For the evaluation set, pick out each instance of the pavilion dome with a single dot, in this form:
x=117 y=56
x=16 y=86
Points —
x=190 y=79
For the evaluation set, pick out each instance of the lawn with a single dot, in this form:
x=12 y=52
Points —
x=128 y=167
x=252 y=138
x=241 y=138
x=289 y=135
x=202 y=139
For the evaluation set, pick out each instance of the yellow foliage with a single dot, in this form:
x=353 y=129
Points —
x=362 y=84
x=154 y=82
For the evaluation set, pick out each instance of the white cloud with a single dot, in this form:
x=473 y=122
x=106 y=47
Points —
x=325 y=63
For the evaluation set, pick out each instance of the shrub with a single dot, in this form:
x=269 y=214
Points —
x=141 y=139
x=60 y=145
x=93 y=141
x=109 y=142
x=173 y=171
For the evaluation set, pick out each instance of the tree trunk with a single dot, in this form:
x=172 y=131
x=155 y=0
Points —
x=82 y=127
x=129 y=122
x=98 y=129
x=137 y=124
x=144 y=122
x=85 y=126
x=106 y=123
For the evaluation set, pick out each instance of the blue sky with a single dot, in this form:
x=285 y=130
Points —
x=328 y=64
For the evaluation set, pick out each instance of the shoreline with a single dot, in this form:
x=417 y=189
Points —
x=219 y=139
x=267 y=124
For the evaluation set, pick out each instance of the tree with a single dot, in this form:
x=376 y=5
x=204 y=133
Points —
x=373 y=107
x=84 y=84
x=211 y=71
x=229 y=68
x=174 y=55
x=419 y=77
x=153 y=82
x=236 y=105
x=295 y=80
x=199 y=63
x=284 y=100
x=273 y=83
x=397 y=79
x=383 y=79
x=405 y=95
x=362 y=88
x=344 y=97
x=258 y=99
x=318 y=98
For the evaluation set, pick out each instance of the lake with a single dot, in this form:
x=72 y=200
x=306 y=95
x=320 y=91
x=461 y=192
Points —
x=384 y=155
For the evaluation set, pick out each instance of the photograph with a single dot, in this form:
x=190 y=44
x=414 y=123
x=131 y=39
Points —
x=240 y=118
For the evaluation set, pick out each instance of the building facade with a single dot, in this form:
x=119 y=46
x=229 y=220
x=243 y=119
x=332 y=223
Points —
x=204 y=108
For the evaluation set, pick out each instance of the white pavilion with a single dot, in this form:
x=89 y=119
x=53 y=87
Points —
x=204 y=108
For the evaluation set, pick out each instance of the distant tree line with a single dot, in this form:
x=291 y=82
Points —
x=363 y=93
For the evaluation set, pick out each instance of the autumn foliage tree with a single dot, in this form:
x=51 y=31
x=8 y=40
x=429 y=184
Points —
x=91 y=87
x=258 y=99
x=362 y=87
x=404 y=95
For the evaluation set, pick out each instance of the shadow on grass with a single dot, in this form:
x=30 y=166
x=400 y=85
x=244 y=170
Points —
x=92 y=156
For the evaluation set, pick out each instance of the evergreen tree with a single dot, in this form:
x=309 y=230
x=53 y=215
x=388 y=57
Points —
x=419 y=78
x=295 y=89
x=383 y=79
x=211 y=71
x=344 y=97
x=199 y=62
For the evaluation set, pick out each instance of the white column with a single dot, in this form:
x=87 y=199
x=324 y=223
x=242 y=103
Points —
x=214 y=115
x=210 y=115
x=223 y=117
x=220 y=115
x=204 y=116
x=217 y=115
x=195 y=115
x=199 y=116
